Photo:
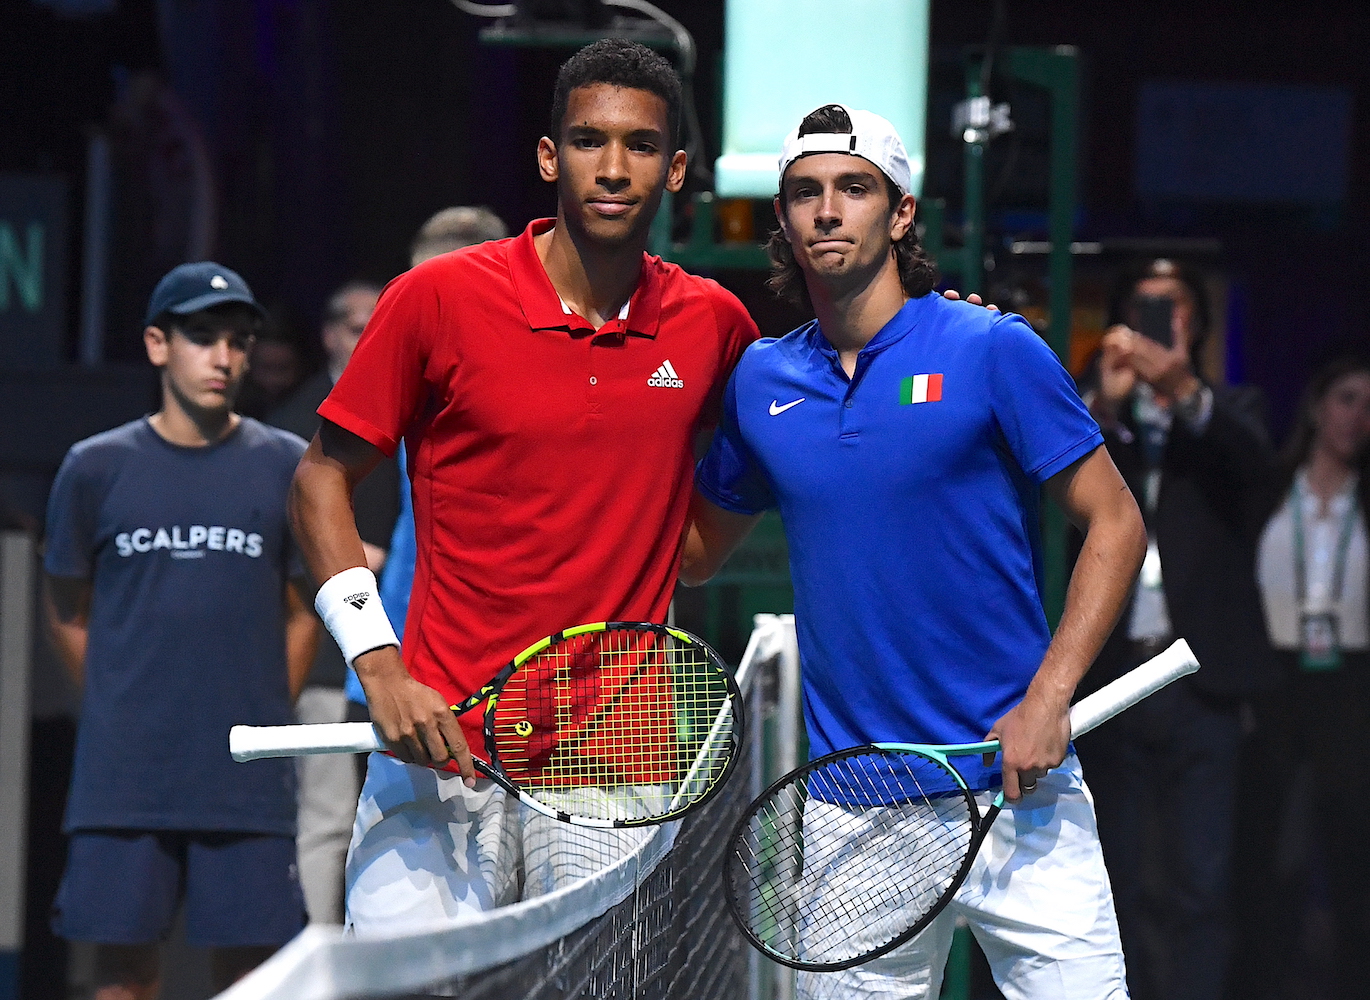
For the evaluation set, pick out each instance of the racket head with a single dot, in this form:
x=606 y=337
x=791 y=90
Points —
x=615 y=724
x=851 y=855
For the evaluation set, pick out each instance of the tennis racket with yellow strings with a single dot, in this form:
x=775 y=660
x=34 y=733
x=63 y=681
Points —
x=611 y=724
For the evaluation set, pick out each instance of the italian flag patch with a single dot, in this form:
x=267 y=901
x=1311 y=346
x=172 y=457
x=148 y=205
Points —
x=920 y=389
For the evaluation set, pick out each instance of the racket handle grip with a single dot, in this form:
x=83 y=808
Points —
x=1132 y=687
x=252 y=742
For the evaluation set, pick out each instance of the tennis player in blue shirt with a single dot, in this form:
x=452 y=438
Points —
x=905 y=438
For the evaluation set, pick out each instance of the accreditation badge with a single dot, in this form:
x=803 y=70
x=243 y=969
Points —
x=1321 y=645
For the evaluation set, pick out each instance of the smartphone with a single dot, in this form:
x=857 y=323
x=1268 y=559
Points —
x=1154 y=314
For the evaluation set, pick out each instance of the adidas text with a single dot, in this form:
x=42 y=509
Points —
x=358 y=601
x=665 y=377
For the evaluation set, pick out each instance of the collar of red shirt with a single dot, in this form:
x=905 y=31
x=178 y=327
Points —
x=544 y=310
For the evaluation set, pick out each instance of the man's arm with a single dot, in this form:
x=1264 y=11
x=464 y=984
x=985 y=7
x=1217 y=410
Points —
x=1036 y=731
x=413 y=719
x=66 y=604
x=713 y=534
x=301 y=635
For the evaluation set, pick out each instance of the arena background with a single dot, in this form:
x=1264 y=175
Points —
x=302 y=142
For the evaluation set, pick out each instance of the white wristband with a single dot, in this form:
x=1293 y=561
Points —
x=350 y=607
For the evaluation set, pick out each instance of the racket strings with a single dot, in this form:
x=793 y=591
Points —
x=848 y=857
x=617 y=725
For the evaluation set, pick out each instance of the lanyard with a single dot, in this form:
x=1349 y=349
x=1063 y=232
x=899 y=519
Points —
x=1343 y=544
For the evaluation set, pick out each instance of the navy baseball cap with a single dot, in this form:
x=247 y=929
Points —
x=192 y=287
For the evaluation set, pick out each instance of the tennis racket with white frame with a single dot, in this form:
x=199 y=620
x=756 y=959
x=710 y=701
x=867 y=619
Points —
x=854 y=853
x=611 y=724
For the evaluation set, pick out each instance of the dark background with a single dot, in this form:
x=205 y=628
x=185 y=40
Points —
x=323 y=133
x=333 y=130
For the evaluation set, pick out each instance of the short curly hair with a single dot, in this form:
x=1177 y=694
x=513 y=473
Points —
x=619 y=63
x=917 y=271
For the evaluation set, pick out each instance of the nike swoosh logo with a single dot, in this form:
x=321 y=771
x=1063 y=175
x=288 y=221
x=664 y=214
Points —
x=777 y=409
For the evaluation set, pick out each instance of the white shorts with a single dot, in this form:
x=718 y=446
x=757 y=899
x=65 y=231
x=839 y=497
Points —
x=426 y=849
x=1037 y=899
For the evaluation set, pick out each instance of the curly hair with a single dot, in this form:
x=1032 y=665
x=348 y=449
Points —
x=619 y=63
x=917 y=272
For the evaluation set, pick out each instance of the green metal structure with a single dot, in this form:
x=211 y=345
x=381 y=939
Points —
x=1056 y=70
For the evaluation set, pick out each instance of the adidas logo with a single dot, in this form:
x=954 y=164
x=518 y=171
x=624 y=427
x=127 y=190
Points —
x=665 y=377
x=357 y=600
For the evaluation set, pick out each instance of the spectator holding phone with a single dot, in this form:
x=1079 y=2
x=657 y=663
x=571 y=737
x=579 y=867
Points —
x=1196 y=456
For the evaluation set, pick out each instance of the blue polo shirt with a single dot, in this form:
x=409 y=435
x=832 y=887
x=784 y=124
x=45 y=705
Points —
x=909 y=494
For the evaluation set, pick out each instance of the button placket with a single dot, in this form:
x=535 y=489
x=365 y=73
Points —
x=593 y=395
x=608 y=337
x=848 y=425
x=846 y=418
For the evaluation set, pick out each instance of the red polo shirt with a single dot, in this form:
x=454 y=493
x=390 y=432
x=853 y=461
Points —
x=551 y=463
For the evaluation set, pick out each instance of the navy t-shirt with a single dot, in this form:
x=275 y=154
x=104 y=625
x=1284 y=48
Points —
x=909 y=495
x=189 y=553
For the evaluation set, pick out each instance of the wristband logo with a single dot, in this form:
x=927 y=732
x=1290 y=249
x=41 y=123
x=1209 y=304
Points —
x=358 y=601
x=189 y=543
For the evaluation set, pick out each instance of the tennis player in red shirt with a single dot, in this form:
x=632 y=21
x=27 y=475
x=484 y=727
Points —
x=549 y=388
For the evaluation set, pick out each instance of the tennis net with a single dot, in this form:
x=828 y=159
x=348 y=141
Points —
x=650 y=922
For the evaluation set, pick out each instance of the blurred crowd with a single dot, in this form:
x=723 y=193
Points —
x=1231 y=826
x=1232 y=838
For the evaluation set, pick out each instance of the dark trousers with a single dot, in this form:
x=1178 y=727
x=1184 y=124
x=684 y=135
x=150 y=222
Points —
x=43 y=970
x=1333 y=729
x=1307 y=821
x=1164 y=775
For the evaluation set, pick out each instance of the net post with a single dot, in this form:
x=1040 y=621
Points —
x=777 y=730
x=758 y=709
x=788 y=708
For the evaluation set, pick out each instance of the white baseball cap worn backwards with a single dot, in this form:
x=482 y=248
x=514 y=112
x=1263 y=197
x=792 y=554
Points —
x=872 y=138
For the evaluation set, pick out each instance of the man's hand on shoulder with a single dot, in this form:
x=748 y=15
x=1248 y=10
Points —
x=973 y=298
x=414 y=720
